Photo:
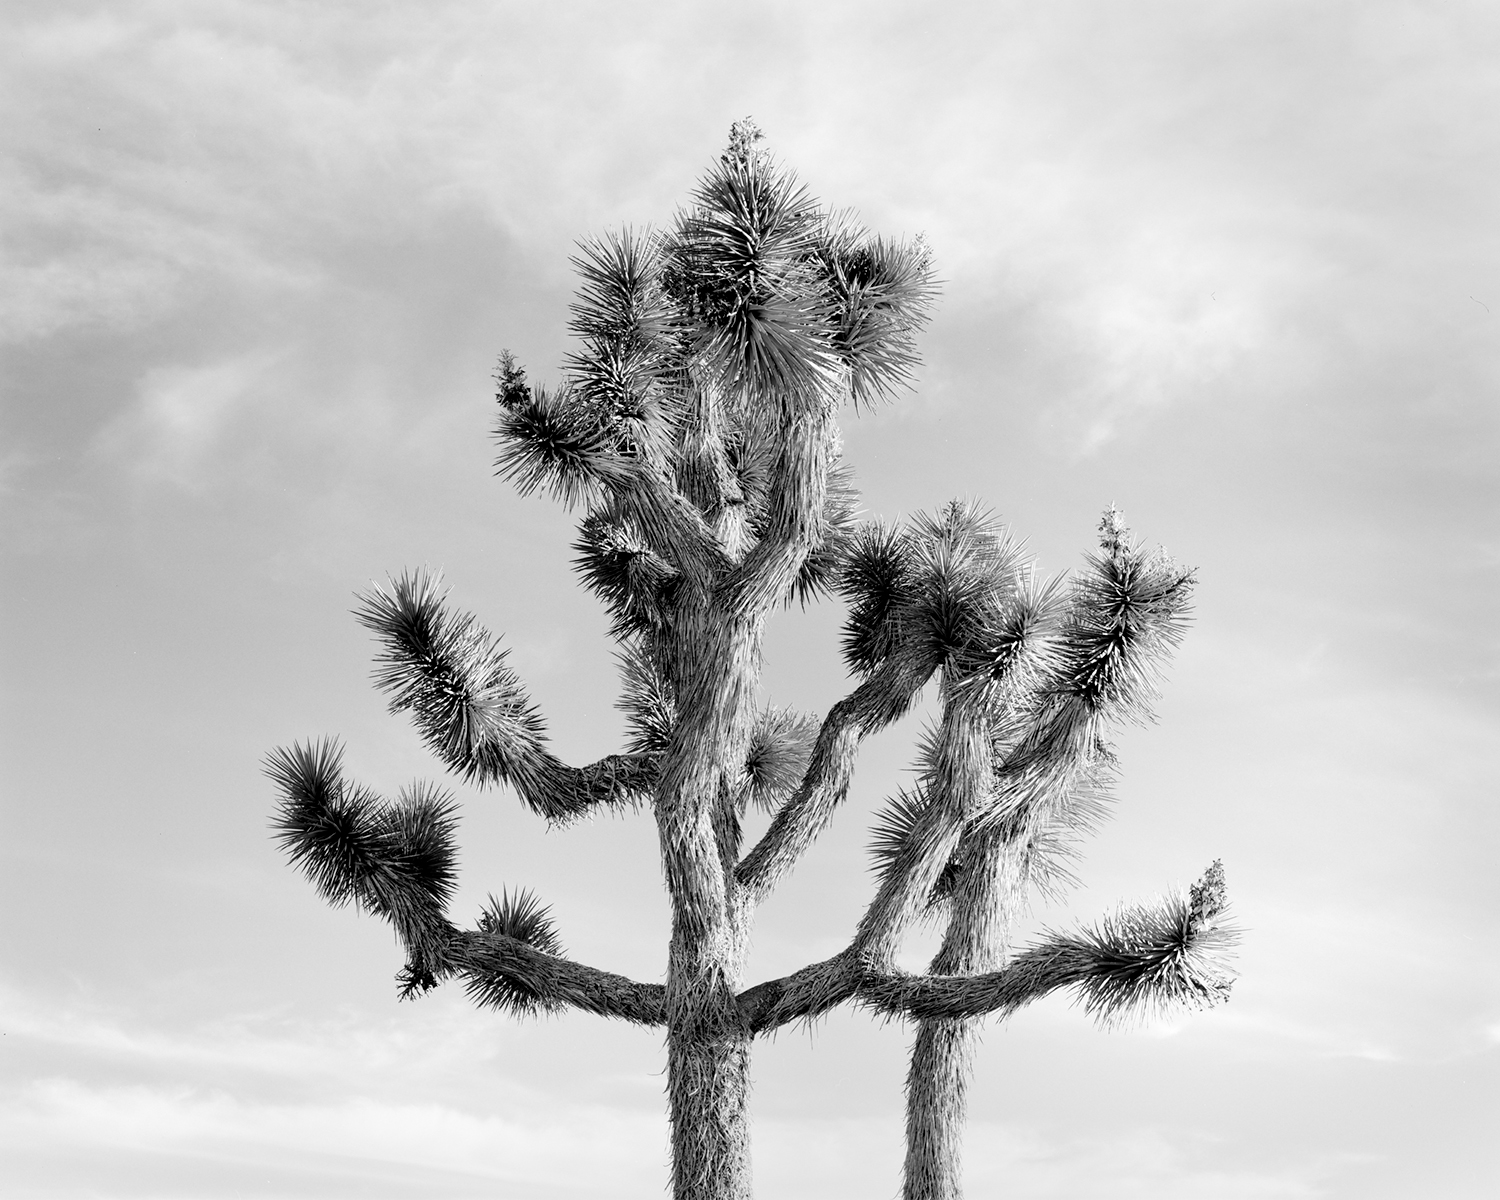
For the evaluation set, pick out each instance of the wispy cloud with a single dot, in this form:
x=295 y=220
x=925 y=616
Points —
x=360 y=1108
x=339 y=1097
x=528 y=1143
x=181 y=415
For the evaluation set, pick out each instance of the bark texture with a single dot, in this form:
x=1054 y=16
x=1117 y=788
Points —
x=984 y=894
x=937 y=1098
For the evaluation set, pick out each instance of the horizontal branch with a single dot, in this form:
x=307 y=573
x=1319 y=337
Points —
x=504 y=972
x=562 y=792
x=803 y=994
x=1142 y=959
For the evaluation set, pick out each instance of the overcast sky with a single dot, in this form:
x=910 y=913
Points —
x=1231 y=266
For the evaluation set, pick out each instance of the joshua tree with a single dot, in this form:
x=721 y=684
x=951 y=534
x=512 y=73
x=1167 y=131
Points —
x=1014 y=773
x=696 y=427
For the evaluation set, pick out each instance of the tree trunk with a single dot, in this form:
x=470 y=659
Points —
x=709 y=1086
x=708 y=1042
x=985 y=894
x=937 y=1087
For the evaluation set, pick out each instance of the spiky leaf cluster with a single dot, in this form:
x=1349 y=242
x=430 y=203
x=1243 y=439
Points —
x=647 y=700
x=895 y=826
x=1129 y=608
x=522 y=917
x=740 y=266
x=780 y=746
x=396 y=860
x=617 y=564
x=873 y=281
x=1148 y=959
x=451 y=674
x=697 y=345
x=949 y=590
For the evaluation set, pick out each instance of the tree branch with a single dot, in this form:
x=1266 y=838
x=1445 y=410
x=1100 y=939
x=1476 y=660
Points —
x=1142 y=959
x=563 y=792
x=957 y=782
x=879 y=700
x=473 y=710
x=803 y=994
x=504 y=972
x=669 y=522
x=396 y=860
x=794 y=513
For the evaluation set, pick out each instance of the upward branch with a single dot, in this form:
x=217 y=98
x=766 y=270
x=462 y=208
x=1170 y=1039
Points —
x=577 y=445
x=879 y=700
x=472 y=709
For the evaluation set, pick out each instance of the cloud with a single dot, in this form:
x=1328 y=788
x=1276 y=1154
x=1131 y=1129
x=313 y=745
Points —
x=527 y=1143
x=341 y=1098
x=812 y=1158
x=181 y=416
x=1147 y=1162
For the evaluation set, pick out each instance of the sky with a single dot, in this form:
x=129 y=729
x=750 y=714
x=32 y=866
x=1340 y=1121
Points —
x=1233 y=267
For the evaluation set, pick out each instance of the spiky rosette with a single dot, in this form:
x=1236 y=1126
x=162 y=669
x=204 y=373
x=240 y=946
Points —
x=647 y=701
x=451 y=674
x=397 y=860
x=1145 y=960
x=950 y=588
x=618 y=566
x=1010 y=653
x=738 y=266
x=892 y=836
x=1128 y=610
x=967 y=568
x=894 y=827
x=630 y=366
x=523 y=918
x=780 y=746
x=877 y=580
x=881 y=293
x=326 y=829
x=619 y=298
x=554 y=440
x=1055 y=832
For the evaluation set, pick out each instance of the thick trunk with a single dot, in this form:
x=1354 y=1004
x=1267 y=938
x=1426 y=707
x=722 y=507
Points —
x=942 y=1060
x=937 y=1086
x=708 y=1040
x=709 y=1086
